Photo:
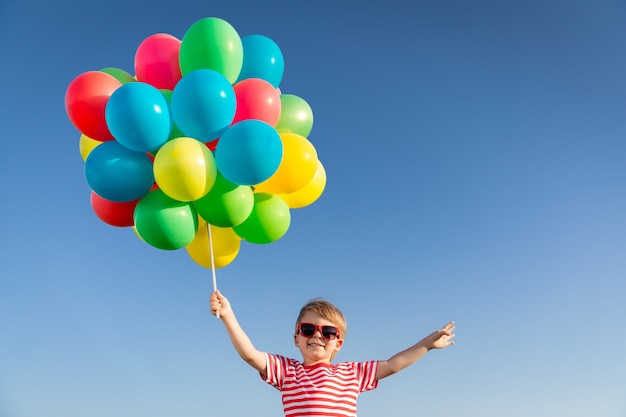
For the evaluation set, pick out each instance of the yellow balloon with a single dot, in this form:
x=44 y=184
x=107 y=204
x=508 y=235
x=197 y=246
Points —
x=296 y=168
x=218 y=261
x=226 y=245
x=137 y=234
x=308 y=194
x=86 y=145
x=184 y=169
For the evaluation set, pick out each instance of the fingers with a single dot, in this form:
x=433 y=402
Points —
x=215 y=303
x=447 y=334
x=218 y=295
x=449 y=328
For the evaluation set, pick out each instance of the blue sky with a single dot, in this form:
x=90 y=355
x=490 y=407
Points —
x=475 y=172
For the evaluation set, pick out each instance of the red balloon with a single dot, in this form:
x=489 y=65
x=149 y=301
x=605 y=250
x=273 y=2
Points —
x=113 y=213
x=257 y=99
x=212 y=145
x=156 y=61
x=85 y=101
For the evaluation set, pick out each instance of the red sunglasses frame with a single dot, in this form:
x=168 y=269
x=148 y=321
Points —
x=319 y=329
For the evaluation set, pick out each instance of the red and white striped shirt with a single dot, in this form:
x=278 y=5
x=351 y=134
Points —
x=328 y=390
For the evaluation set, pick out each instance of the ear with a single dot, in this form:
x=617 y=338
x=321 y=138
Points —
x=338 y=345
x=295 y=339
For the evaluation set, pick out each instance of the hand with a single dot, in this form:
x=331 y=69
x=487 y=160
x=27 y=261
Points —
x=443 y=337
x=220 y=304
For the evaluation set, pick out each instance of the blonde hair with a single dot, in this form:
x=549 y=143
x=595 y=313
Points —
x=327 y=310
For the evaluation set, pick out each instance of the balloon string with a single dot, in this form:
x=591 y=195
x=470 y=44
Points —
x=208 y=227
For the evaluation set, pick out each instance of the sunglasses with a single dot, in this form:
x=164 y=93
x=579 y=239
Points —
x=327 y=332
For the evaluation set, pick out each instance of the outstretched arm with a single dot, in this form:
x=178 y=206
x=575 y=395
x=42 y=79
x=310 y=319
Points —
x=238 y=337
x=437 y=340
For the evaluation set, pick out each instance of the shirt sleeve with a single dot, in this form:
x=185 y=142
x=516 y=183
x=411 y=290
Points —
x=366 y=374
x=276 y=367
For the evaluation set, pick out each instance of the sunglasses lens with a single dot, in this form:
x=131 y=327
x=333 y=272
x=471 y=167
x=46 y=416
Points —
x=307 y=330
x=329 y=332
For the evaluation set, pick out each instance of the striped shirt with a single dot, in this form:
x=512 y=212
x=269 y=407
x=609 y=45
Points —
x=328 y=390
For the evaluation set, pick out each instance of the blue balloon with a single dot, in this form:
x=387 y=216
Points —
x=249 y=152
x=138 y=116
x=262 y=58
x=175 y=133
x=118 y=174
x=203 y=104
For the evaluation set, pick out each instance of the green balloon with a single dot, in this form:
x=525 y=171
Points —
x=121 y=75
x=212 y=43
x=268 y=222
x=165 y=223
x=296 y=115
x=226 y=204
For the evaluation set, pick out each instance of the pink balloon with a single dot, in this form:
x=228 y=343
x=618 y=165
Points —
x=156 y=61
x=257 y=99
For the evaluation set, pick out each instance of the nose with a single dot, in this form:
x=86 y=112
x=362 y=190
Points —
x=317 y=333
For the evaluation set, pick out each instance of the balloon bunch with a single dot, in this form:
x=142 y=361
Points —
x=199 y=149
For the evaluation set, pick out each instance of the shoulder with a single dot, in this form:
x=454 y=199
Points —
x=352 y=364
x=365 y=367
x=285 y=361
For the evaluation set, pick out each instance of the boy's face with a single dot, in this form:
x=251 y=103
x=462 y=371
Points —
x=317 y=349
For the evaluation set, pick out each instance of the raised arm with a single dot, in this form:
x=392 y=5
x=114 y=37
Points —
x=437 y=340
x=238 y=337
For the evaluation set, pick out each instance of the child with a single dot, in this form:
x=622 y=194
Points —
x=315 y=387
